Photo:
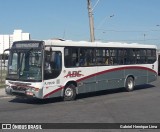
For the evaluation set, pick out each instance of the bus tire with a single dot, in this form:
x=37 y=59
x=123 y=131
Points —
x=69 y=93
x=129 y=84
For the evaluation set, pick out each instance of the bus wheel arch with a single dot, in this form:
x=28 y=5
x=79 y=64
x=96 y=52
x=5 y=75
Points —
x=69 y=91
x=129 y=83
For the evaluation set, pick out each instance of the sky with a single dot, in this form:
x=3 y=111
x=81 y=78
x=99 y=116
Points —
x=132 y=21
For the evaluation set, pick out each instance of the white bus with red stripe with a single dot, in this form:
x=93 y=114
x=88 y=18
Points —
x=53 y=68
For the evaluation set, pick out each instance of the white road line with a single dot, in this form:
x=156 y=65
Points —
x=6 y=97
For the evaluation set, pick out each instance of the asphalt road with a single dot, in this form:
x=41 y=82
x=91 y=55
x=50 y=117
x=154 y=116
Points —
x=112 y=106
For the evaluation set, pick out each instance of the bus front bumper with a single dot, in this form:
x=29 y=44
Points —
x=23 y=93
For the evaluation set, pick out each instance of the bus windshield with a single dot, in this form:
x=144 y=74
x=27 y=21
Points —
x=25 y=65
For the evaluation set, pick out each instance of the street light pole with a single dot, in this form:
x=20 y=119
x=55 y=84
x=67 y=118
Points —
x=91 y=22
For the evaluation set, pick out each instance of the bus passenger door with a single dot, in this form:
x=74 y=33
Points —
x=52 y=71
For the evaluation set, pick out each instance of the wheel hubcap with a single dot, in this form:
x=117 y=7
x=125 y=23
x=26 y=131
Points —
x=68 y=92
x=130 y=84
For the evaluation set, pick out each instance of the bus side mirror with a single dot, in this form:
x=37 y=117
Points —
x=3 y=57
x=50 y=49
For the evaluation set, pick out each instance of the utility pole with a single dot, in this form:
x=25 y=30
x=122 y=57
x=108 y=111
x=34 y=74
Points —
x=91 y=22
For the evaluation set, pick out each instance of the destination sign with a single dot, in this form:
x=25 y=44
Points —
x=27 y=45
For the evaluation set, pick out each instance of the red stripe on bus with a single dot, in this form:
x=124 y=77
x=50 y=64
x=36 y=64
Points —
x=116 y=69
x=53 y=92
x=102 y=72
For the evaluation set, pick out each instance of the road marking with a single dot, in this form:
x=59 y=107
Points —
x=6 y=97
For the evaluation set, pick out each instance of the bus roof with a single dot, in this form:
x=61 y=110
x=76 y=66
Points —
x=96 y=44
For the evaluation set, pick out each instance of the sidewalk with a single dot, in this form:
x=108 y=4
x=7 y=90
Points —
x=2 y=92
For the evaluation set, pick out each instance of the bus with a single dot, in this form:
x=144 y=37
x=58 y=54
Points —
x=65 y=68
x=159 y=63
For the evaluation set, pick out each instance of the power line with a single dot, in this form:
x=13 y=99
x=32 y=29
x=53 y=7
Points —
x=154 y=39
x=104 y=20
x=95 y=4
x=128 y=30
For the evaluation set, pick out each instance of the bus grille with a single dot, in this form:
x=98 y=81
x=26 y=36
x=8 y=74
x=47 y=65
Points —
x=19 y=88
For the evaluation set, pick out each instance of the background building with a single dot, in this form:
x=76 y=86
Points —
x=7 y=40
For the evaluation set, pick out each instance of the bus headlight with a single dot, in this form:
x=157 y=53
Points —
x=34 y=89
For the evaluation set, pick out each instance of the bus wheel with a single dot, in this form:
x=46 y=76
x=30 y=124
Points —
x=69 y=93
x=129 y=84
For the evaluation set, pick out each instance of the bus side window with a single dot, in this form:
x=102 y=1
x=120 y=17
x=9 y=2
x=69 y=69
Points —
x=55 y=60
x=82 y=59
x=89 y=57
x=47 y=66
x=70 y=57
x=67 y=57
